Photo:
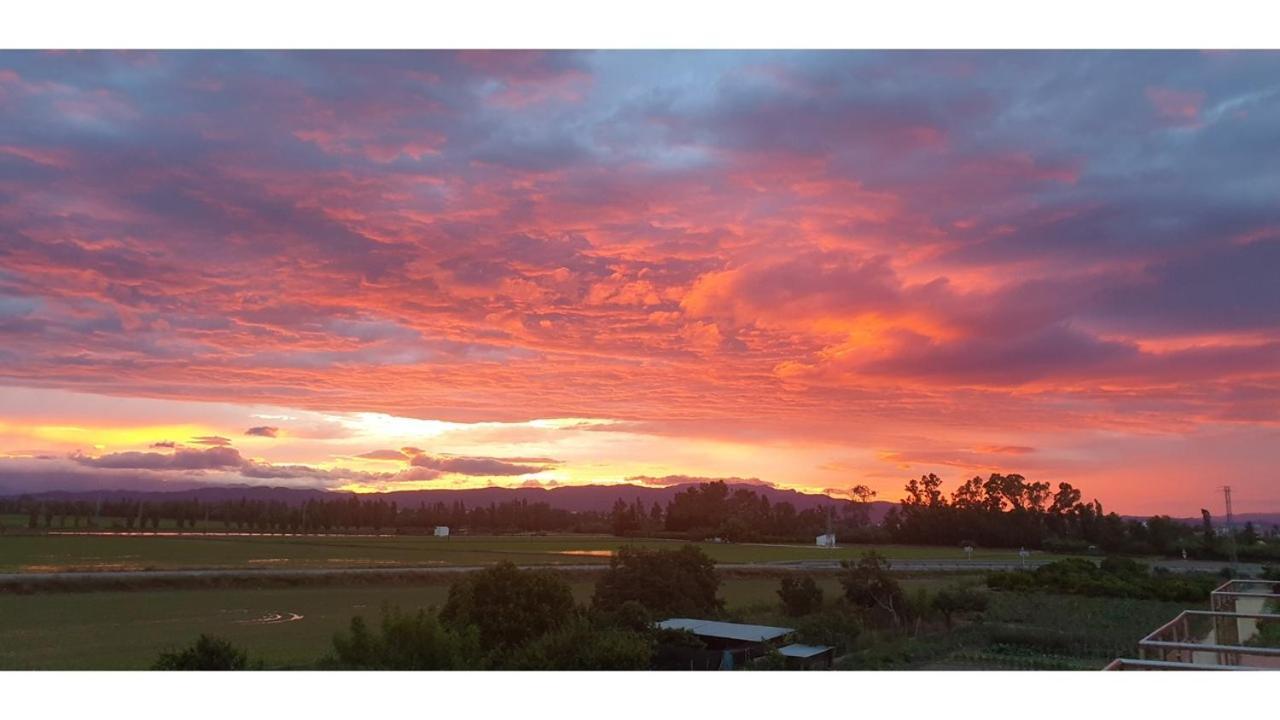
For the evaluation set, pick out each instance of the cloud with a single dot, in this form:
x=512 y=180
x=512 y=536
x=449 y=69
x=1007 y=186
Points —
x=263 y=431
x=480 y=466
x=214 y=440
x=385 y=455
x=669 y=480
x=778 y=246
x=416 y=474
x=1005 y=449
x=180 y=459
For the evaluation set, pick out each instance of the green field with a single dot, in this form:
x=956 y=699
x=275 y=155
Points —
x=53 y=553
x=127 y=630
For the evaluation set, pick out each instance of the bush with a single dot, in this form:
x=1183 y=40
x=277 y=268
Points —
x=1115 y=578
x=507 y=605
x=668 y=583
x=580 y=646
x=838 y=627
x=405 y=642
x=800 y=596
x=206 y=653
x=958 y=600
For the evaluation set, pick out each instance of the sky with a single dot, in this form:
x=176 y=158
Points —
x=385 y=270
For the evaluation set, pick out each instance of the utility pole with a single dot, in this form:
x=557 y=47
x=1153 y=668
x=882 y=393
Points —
x=1231 y=530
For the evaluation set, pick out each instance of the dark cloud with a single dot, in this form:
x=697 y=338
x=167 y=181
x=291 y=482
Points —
x=214 y=440
x=263 y=431
x=181 y=459
x=480 y=466
x=385 y=455
x=669 y=480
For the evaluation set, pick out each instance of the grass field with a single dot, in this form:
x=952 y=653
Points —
x=53 y=553
x=127 y=630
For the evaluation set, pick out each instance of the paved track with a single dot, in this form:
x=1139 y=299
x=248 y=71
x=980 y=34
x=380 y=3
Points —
x=107 y=578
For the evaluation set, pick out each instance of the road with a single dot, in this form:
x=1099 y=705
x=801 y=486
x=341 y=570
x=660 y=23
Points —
x=30 y=581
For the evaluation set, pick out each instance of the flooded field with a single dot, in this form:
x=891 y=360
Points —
x=172 y=551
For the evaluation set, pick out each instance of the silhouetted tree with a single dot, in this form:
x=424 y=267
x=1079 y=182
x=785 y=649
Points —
x=507 y=605
x=405 y=642
x=799 y=596
x=666 y=582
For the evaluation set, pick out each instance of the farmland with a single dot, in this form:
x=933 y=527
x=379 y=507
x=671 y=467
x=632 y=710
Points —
x=293 y=627
x=288 y=627
x=56 y=552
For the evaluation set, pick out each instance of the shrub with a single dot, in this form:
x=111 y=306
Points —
x=954 y=601
x=838 y=627
x=1115 y=578
x=667 y=583
x=800 y=596
x=404 y=642
x=507 y=605
x=206 y=653
x=580 y=646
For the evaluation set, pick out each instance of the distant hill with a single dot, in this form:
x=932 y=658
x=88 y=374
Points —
x=576 y=498
x=1261 y=520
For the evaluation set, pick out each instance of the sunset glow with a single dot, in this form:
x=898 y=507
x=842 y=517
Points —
x=434 y=269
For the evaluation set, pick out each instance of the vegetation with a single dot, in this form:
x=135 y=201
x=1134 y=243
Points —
x=583 y=645
x=838 y=627
x=868 y=585
x=509 y=606
x=799 y=596
x=1114 y=577
x=959 y=600
x=405 y=641
x=667 y=583
x=1000 y=511
x=206 y=653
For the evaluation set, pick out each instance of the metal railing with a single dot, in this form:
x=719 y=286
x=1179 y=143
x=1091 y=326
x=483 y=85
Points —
x=1237 y=633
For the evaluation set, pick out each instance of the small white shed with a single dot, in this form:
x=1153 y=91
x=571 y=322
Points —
x=442 y=531
x=827 y=540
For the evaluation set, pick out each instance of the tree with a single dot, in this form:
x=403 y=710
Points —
x=837 y=626
x=578 y=645
x=1210 y=539
x=925 y=493
x=623 y=518
x=800 y=596
x=206 y=653
x=405 y=642
x=956 y=600
x=507 y=605
x=861 y=506
x=666 y=582
x=868 y=585
x=1248 y=536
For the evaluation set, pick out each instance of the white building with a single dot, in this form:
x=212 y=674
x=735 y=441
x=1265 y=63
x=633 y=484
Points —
x=828 y=540
x=442 y=531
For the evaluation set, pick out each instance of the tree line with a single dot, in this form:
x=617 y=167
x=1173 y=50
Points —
x=1010 y=511
x=345 y=514
x=1002 y=510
